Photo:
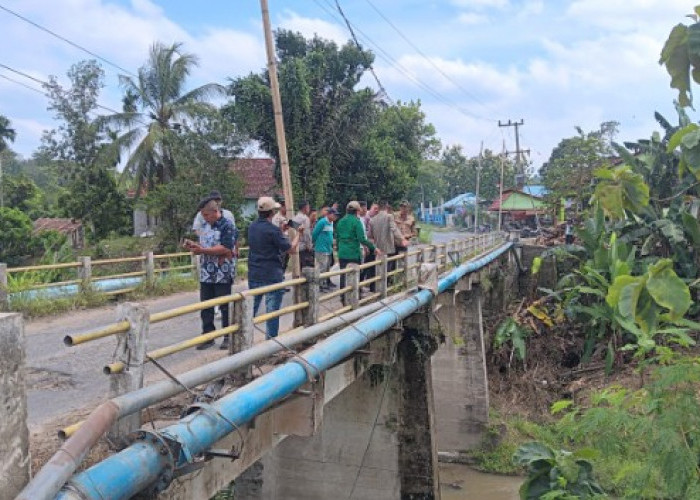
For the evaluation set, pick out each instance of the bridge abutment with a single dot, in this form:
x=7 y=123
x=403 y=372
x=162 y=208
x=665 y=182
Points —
x=14 y=434
x=377 y=438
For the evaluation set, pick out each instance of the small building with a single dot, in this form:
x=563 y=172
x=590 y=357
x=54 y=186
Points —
x=258 y=178
x=522 y=206
x=72 y=228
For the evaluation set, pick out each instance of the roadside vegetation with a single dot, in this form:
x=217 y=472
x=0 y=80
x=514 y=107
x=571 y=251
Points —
x=597 y=376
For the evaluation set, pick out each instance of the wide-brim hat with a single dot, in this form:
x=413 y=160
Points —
x=266 y=203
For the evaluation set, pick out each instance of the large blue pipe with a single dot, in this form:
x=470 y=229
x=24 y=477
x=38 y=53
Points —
x=123 y=475
x=105 y=285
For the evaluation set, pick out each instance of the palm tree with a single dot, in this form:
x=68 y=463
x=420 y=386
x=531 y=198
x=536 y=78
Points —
x=7 y=134
x=155 y=107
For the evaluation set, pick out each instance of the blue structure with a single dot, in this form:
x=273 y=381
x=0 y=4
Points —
x=152 y=460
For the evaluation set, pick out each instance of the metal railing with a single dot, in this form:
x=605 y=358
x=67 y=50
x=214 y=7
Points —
x=307 y=304
x=86 y=274
x=480 y=250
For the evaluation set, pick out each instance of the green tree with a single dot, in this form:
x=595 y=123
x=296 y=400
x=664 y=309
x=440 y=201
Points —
x=386 y=162
x=16 y=240
x=461 y=173
x=568 y=173
x=20 y=192
x=342 y=141
x=156 y=107
x=81 y=152
x=207 y=145
x=7 y=134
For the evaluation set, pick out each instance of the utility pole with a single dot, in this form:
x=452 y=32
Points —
x=519 y=171
x=478 y=181
x=500 y=188
x=279 y=124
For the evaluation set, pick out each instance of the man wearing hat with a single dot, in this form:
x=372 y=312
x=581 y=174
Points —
x=199 y=225
x=322 y=237
x=267 y=247
x=406 y=224
x=216 y=269
x=350 y=235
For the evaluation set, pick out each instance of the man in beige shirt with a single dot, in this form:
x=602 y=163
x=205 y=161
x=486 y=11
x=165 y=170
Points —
x=385 y=234
x=406 y=222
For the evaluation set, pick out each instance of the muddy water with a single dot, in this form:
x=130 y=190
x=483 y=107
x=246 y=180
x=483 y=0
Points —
x=459 y=482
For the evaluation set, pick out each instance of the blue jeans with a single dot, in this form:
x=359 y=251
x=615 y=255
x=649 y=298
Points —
x=273 y=301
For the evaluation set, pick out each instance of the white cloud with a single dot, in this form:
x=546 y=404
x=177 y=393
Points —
x=472 y=18
x=309 y=27
x=653 y=16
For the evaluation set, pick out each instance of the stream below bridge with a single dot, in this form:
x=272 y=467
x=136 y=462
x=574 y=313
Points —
x=460 y=482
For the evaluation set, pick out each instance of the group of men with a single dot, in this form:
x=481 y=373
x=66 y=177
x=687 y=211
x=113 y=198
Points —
x=361 y=235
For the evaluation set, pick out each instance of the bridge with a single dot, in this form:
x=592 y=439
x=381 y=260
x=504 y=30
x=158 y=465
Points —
x=358 y=403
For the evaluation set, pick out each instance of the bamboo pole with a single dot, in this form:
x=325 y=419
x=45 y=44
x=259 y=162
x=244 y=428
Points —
x=279 y=124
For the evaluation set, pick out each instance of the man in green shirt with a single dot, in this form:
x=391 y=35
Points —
x=350 y=234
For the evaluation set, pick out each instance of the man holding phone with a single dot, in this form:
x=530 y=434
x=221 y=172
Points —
x=216 y=266
x=268 y=247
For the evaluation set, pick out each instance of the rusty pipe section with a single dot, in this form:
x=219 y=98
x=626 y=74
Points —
x=53 y=475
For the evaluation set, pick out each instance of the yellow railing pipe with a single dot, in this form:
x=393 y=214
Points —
x=118 y=367
x=280 y=312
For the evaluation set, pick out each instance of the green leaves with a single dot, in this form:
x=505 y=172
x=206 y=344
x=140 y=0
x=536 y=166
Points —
x=510 y=331
x=621 y=189
x=667 y=289
x=674 y=56
x=555 y=475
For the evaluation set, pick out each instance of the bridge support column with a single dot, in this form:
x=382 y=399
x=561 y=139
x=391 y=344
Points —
x=459 y=370
x=14 y=435
x=418 y=464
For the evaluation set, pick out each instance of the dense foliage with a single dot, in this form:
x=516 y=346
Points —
x=343 y=142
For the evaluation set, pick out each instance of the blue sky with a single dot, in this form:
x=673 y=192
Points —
x=556 y=63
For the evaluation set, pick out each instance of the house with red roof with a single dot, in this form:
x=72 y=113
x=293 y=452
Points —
x=257 y=176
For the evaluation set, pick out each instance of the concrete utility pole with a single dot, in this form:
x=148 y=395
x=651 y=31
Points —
x=500 y=188
x=519 y=171
x=478 y=182
x=279 y=124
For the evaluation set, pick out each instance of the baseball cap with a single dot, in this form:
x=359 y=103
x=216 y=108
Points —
x=265 y=203
x=353 y=205
x=333 y=211
x=405 y=203
x=215 y=195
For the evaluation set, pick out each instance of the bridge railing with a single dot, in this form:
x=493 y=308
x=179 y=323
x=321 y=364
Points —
x=309 y=305
x=105 y=276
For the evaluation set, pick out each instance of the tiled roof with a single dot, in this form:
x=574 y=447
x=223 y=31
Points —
x=258 y=176
x=60 y=225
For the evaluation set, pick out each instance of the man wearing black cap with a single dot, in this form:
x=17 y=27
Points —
x=199 y=224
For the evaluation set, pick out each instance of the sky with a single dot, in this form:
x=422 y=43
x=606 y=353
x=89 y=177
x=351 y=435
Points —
x=555 y=64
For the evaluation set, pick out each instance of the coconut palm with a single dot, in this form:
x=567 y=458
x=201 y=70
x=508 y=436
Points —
x=7 y=134
x=156 y=106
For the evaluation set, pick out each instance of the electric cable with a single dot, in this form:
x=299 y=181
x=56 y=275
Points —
x=429 y=60
x=66 y=40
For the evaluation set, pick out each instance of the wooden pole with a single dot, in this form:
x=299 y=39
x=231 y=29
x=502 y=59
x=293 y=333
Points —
x=279 y=123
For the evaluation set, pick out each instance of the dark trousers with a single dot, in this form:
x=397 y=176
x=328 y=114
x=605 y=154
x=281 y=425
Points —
x=211 y=291
x=306 y=258
x=343 y=264
x=370 y=272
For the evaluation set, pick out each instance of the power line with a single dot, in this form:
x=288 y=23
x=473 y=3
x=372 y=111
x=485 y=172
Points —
x=43 y=83
x=393 y=62
x=424 y=56
x=354 y=37
x=66 y=40
x=23 y=84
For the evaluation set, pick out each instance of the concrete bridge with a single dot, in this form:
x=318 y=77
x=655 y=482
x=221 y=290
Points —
x=362 y=413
